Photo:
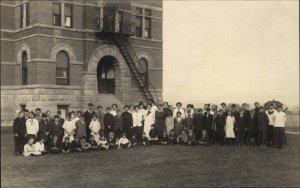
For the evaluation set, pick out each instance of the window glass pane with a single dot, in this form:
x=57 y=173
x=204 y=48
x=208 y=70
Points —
x=144 y=65
x=147 y=12
x=56 y=19
x=27 y=14
x=56 y=8
x=147 y=22
x=138 y=10
x=138 y=21
x=68 y=10
x=21 y=16
x=62 y=60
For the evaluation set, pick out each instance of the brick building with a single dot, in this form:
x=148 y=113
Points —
x=65 y=54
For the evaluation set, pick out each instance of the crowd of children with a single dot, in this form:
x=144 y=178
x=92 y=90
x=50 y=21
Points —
x=37 y=133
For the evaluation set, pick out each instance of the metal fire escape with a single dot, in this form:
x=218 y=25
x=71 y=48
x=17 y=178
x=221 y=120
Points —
x=119 y=32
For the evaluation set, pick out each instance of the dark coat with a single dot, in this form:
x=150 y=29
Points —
x=220 y=122
x=108 y=121
x=199 y=121
x=262 y=122
x=56 y=129
x=43 y=129
x=88 y=116
x=208 y=120
x=118 y=123
x=246 y=119
x=128 y=121
x=189 y=123
x=19 y=126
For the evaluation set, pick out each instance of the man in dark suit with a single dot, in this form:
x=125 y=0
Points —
x=127 y=122
x=208 y=124
x=19 y=129
x=88 y=115
x=199 y=120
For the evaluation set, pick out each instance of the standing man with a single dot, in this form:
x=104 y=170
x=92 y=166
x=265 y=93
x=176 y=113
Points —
x=255 y=121
x=247 y=122
x=100 y=117
x=208 y=121
x=19 y=129
x=127 y=122
x=88 y=115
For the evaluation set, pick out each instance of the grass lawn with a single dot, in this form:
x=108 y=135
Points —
x=154 y=166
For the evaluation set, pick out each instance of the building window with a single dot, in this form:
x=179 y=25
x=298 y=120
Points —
x=147 y=33
x=62 y=68
x=118 y=23
x=143 y=23
x=24 y=15
x=68 y=16
x=144 y=71
x=106 y=75
x=24 y=69
x=56 y=14
x=138 y=26
x=62 y=15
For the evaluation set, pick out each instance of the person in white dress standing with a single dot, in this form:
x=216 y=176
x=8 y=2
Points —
x=149 y=120
x=69 y=128
x=229 y=128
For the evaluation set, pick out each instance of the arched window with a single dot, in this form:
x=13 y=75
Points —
x=144 y=71
x=24 y=69
x=62 y=68
x=106 y=75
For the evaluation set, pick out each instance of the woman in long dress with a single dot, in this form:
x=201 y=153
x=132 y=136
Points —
x=149 y=120
x=229 y=127
x=160 y=121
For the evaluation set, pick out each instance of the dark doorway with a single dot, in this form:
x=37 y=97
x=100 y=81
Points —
x=106 y=75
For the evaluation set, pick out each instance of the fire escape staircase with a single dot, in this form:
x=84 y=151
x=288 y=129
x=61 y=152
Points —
x=121 y=37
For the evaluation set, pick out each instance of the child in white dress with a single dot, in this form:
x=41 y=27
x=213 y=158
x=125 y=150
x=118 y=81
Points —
x=95 y=128
x=69 y=128
x=149 y=120
x=229 y=128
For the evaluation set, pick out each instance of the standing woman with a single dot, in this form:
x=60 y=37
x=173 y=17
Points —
x=160 y=121
x=229 y=128
x=149 y=120
x=19 y=129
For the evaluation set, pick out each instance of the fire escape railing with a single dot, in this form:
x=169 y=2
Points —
x=120 y=32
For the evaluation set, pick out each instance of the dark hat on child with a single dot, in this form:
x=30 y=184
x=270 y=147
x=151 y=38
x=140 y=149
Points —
x=44 y=115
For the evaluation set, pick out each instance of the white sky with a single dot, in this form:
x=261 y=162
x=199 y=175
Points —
x=231 y=51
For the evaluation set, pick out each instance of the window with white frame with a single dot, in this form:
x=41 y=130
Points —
x=62 y=14
x=62 y=68
x=143 y=22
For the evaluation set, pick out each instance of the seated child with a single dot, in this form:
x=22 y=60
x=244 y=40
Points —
x=53 y=145
x=94 y=144
x=123 y=142
x=111 y=140
x=182 y=138
x=40 y=147
x=103 y=144
x=66 y=146
x=204 y=140
x=164 y=138
x=145 y=140
x=172 y=138
x=85 y=146
x=29 y=149
x=75 y=145
x=133 y=140
x=191 y=138
x=153 y=136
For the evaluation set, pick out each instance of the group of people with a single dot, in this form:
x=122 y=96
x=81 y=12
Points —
x=37 y=133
